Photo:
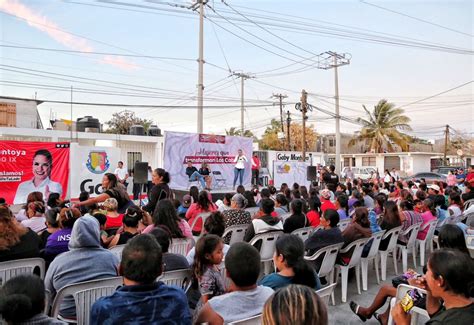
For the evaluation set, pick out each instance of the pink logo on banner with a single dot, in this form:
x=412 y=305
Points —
x=212 y=138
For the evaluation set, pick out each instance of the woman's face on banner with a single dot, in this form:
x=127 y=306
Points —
x=41 y=167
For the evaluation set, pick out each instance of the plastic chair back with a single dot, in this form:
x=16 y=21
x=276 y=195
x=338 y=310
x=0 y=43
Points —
x=237 y=233
x=178 y=278
x=330 y=255
x=431 y=230
x=268 y=240
x=412 y=231
x=376 y=238
x=326 y=292
x=85 y=294
x=203 y=216
x=180 y=246
x=394 y=233
x=13 y=268
x=255 y=320
x=117 y=251
x=252 y=211
x=470 y=244
x=358 y=247
x=343 y=224
x=303 y=233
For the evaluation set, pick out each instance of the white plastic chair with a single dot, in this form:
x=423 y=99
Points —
x=470 y=244
x=376 y=238
x=85 y=294
x=343 y=224
x=202 y=216
x=357 y=246
x=285 y=216
x=13 y=268
x=255 y=320
x=326 y=292
x=402 y=290
x=181 y=246
x=117 y=251
x=178 y=278
x=391 y=248
x=267 y=248
x=428 y=241
x=237 y=233
x=411 y=232
x=327 y=265
x=467 y=204
x=303 y=233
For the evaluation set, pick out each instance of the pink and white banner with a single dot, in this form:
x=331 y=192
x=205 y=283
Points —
x=218 y=151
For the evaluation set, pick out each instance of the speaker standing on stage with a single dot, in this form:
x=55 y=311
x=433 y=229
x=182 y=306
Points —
x=255 y=169
x=239 y=167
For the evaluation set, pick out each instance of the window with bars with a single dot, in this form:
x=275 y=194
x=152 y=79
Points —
x=369 y=161
x=349 y=162
x=132 y=157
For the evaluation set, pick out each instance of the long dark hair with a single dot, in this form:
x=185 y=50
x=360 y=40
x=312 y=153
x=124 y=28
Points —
x=164 y=174
x=390 y=216
x=430 y=206
x=297 y=206
x=194 y=192
x=250 y=199
x=165 y=214
x=112 y=180
x=203 y=201
x=343 y=202
x=205 y=245
x=451 y=236
x=304 y=192
x=361 y=216
x=291 y=247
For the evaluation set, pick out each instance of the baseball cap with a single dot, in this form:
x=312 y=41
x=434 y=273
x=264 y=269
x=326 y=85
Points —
x=187 y=200
x=434 y=187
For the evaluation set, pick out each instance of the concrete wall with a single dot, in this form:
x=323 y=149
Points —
x=26 y=113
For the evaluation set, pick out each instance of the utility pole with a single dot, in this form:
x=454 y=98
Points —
x=288 y=123
x=446 y=139
x=242 y=77
x=200 y=85
x=280 y=97
x=303 y=107
x=337 y=61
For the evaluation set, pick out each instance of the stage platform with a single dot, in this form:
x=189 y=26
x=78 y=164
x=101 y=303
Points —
x=216 y=194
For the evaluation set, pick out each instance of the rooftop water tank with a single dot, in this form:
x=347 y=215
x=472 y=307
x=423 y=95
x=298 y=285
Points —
x=137 y=130
x=154 y=131
x=88 y=124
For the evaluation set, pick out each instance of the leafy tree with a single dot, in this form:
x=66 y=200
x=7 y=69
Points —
x=271 y=141
x=121 y=122
x=382 y=127
x=233 y=131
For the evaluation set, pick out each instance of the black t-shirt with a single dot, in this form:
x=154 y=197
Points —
x=28 y=247
x=121 y=196
x=158 y=192
x=294 y=222
x=331 y=180
x=204 y=171
x=457 y=316
x=190 y=170
x=125 y=237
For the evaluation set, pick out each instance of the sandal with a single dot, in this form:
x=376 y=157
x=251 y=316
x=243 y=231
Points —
x=355 y=309
x=377 y=317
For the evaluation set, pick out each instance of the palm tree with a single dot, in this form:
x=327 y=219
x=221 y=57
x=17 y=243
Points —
x=382 y=127
x=233 y=131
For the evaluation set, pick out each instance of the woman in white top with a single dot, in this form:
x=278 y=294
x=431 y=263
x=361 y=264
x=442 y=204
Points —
x=239 y=167
x=387 y=178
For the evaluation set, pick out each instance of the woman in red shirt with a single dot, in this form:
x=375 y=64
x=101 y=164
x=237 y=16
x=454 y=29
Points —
x=203 y=204
x=114 y=219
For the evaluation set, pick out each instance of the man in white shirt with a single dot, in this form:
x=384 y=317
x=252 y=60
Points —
x=121 y=173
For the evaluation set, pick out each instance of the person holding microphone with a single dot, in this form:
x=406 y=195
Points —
x=239 y=167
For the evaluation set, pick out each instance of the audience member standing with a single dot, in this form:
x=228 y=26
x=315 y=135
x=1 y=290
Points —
x=159 y=191
x=255 y=169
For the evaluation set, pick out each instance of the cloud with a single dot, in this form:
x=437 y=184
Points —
x=42 y=23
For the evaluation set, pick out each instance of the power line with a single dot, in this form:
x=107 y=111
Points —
x=435 y=95
x=416 y=18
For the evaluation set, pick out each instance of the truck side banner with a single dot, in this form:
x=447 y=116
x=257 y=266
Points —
x=218 y=151
x=27 y=167
x=88 y=166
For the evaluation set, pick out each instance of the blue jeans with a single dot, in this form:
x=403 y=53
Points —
x=238 y=173
x=198 y=177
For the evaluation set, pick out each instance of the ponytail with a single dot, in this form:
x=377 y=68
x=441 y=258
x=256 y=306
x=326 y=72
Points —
x=292 y=249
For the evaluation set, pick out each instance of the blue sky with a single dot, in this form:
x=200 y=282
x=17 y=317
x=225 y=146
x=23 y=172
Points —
x=401 y=74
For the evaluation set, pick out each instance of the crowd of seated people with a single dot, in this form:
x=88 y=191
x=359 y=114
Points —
x=74 y=242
